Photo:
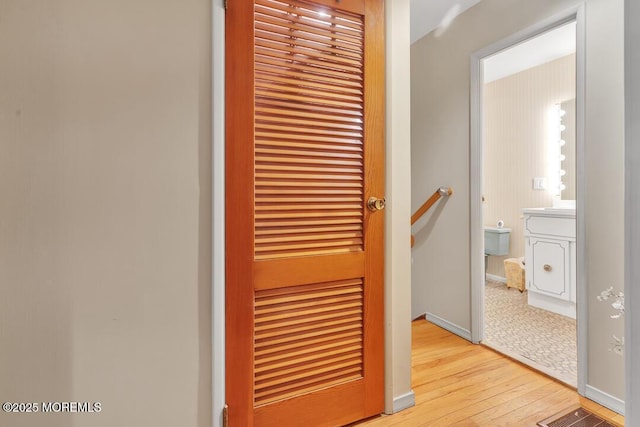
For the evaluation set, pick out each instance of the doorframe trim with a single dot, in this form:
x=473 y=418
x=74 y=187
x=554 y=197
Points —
x=632 y=209
x=576 y=13
x=218 y=213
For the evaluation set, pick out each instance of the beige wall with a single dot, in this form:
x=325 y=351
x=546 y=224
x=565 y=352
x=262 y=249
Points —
x=515 y=123
x=440 y=156
x=105 y=210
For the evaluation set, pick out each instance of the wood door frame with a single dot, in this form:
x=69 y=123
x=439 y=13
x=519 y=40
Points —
x=576 y=14
x=398 y=393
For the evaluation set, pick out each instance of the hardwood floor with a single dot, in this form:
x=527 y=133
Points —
x=460 y=384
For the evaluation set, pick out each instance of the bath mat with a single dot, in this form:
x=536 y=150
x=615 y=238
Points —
x=576 y=417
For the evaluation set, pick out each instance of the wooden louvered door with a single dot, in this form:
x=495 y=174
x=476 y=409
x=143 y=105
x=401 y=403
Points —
x=304 y=292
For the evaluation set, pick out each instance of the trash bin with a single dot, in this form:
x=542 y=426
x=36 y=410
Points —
x=514 y=270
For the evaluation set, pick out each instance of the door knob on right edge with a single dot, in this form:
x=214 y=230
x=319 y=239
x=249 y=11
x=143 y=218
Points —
x=374 y=204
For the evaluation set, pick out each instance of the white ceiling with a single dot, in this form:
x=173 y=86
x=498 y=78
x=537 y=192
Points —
x=551 y=45
x=428 y=15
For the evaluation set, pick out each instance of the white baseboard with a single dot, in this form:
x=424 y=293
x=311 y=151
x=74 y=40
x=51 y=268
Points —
x=605 y=399
x=496 y=278
x=404 y=401
x=451 y=327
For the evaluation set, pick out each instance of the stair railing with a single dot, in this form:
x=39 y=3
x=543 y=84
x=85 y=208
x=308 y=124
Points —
x=440 y=192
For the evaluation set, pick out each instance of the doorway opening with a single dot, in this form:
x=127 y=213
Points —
x=527 y=157
x=528 y=126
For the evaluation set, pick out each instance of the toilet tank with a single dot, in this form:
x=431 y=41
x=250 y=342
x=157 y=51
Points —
x=496 y=240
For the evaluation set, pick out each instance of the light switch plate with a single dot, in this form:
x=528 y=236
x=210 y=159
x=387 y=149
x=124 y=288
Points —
x=539 y=183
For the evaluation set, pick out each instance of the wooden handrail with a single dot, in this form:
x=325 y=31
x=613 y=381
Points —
x=442 y=191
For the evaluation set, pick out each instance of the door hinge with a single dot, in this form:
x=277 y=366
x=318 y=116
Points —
x=225 y=410
x=226 y=4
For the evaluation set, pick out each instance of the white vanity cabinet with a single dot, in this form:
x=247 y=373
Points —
x=550 y=259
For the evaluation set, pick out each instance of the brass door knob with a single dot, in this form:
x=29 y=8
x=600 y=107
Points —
x=374 y=204
x=547 y=267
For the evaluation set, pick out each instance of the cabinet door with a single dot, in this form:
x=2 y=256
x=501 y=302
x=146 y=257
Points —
x=548 y=268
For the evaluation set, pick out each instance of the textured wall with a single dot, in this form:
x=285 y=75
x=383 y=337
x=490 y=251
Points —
x=105 y=201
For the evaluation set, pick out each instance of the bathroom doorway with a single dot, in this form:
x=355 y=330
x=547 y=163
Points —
x=526 y=155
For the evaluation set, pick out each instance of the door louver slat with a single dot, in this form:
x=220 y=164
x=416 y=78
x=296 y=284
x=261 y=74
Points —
x=291 y=68
x=307 y=338
x=295 y=20
x=271 y=67
x=308 y=131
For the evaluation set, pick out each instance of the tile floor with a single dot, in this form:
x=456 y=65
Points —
x=546 y=341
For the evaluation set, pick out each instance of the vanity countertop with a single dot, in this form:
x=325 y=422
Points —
x=555 y=212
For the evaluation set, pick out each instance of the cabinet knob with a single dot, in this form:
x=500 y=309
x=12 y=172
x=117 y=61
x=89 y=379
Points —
x=547 y=267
